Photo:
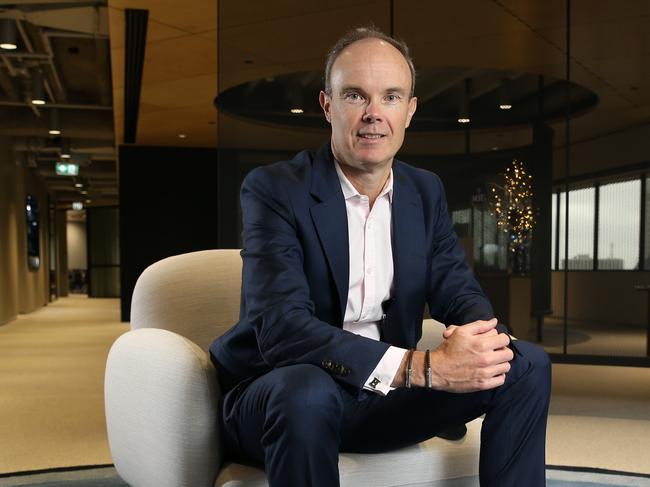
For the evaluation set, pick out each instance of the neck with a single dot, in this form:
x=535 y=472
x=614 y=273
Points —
x=369 y=183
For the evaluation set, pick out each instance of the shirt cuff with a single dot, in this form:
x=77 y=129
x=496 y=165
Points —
x=382 y=377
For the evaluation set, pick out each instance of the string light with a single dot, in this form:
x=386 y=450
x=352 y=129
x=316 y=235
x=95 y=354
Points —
x=513 y=207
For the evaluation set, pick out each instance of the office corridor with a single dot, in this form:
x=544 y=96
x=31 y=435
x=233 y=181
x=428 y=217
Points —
x=51 y=384
x=52 y=415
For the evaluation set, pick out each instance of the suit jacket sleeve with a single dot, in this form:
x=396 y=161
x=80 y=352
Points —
x=277 y=291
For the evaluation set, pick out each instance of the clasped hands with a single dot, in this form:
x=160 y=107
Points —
x=472 y=357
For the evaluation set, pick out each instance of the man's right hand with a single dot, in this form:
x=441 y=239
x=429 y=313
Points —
x=473 y=357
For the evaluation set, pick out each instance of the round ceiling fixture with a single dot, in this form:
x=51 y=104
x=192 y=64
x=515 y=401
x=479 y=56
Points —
x=497 y=99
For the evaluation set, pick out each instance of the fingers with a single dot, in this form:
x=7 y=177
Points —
x=493 y=382
x=504 y=355
x=495 y=342
x=449 y=331
x=480 y=326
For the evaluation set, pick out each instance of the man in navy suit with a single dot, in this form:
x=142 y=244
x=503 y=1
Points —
x=342 y=250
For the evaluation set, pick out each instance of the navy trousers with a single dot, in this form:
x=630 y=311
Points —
x=295 y=420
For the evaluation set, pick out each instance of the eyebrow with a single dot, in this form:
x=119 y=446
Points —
x=399 y=90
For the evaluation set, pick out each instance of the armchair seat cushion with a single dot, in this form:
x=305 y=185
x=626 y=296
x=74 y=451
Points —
x=435 y=462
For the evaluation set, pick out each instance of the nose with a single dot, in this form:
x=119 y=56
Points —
x=372 y=112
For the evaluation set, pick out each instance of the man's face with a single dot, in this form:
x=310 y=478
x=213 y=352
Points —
x=369 y=107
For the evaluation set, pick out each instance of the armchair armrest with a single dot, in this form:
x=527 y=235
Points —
x=431 y=334
x=161 y=398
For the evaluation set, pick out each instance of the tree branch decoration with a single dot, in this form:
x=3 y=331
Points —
x=513 y=205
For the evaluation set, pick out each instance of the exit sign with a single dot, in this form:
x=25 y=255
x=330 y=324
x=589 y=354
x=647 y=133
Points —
x=66 y=169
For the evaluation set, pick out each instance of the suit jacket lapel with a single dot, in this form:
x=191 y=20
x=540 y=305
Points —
x=409 y=257
x=331 y=221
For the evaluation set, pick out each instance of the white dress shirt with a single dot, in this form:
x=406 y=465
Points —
x=371 y=273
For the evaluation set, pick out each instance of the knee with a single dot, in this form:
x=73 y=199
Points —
x=306 y=395
x=539 y=373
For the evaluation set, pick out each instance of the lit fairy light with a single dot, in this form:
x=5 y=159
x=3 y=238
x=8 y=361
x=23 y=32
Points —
x=513 y=205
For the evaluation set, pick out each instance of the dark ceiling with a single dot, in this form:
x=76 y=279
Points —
x=67 y=46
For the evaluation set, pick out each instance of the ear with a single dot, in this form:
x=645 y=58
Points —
x=413 y=104
x=325 y=102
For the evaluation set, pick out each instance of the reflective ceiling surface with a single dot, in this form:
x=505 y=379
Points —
x=199 y=49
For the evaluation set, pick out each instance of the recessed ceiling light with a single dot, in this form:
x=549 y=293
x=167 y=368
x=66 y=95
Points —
x=65 y=156
x=88 y=202
x=55 y=126
x=182 y=136
x=297 y=110
x=38 y=88
x=84 y=192
x=78 y=185
x=463 y=120
x=8 y=34
x=505 y=106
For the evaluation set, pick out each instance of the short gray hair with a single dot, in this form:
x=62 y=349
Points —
x=358 y=34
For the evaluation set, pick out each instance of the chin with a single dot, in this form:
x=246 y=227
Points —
x=373 y=159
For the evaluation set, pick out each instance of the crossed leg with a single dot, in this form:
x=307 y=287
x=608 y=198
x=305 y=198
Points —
x=295 y=420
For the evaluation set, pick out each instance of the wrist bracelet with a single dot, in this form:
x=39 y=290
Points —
x=428 y=376
x=409 y=370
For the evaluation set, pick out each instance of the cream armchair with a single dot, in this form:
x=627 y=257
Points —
x=162 y=395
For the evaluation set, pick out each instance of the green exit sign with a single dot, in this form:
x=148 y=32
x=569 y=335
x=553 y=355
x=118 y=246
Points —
x=66 y=169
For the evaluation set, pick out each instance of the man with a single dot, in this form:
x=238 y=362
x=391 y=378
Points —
x=342 y=249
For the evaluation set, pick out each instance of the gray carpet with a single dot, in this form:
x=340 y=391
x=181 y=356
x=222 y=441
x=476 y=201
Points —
x=107 y=477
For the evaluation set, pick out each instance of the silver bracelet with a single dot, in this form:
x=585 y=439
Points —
x=428 y=376
x=409 y=370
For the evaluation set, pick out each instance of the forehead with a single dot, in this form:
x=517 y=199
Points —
x=371 y=61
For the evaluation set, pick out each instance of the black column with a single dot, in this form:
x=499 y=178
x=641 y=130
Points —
x=168 y=206
x=541 y=167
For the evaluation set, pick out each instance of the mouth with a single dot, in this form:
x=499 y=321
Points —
x=368 y=136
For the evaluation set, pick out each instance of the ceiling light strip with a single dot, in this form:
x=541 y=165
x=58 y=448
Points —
x=134 y=47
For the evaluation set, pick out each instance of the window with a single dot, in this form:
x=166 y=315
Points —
x=619 y=216
x=554 y=198
x=581 y=229
x=461 y=220
x=647 y=224
x=489 y=244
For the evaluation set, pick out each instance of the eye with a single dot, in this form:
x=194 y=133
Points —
x=392 y=98
x=353 y=97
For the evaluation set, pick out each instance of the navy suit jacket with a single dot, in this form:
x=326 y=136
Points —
x=295 y=272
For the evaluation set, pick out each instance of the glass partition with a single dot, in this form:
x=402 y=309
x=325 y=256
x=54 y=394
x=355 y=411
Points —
x=505 y=75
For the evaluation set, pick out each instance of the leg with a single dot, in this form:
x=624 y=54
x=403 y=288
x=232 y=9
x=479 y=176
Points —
x=514 y=429
x=513 y=437
x=289 y=420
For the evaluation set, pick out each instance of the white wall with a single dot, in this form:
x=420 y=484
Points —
x=77 y=246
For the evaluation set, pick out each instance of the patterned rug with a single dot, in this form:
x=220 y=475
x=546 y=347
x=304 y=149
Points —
x=106 y=476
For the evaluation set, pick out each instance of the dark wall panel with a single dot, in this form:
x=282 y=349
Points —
x=168 y=206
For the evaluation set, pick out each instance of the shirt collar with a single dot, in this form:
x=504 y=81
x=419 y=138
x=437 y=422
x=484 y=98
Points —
x=350 y=191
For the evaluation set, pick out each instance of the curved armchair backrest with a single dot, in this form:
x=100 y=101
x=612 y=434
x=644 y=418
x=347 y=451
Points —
x=195 y=295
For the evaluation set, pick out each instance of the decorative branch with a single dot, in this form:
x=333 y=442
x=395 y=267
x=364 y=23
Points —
x=513 y=205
